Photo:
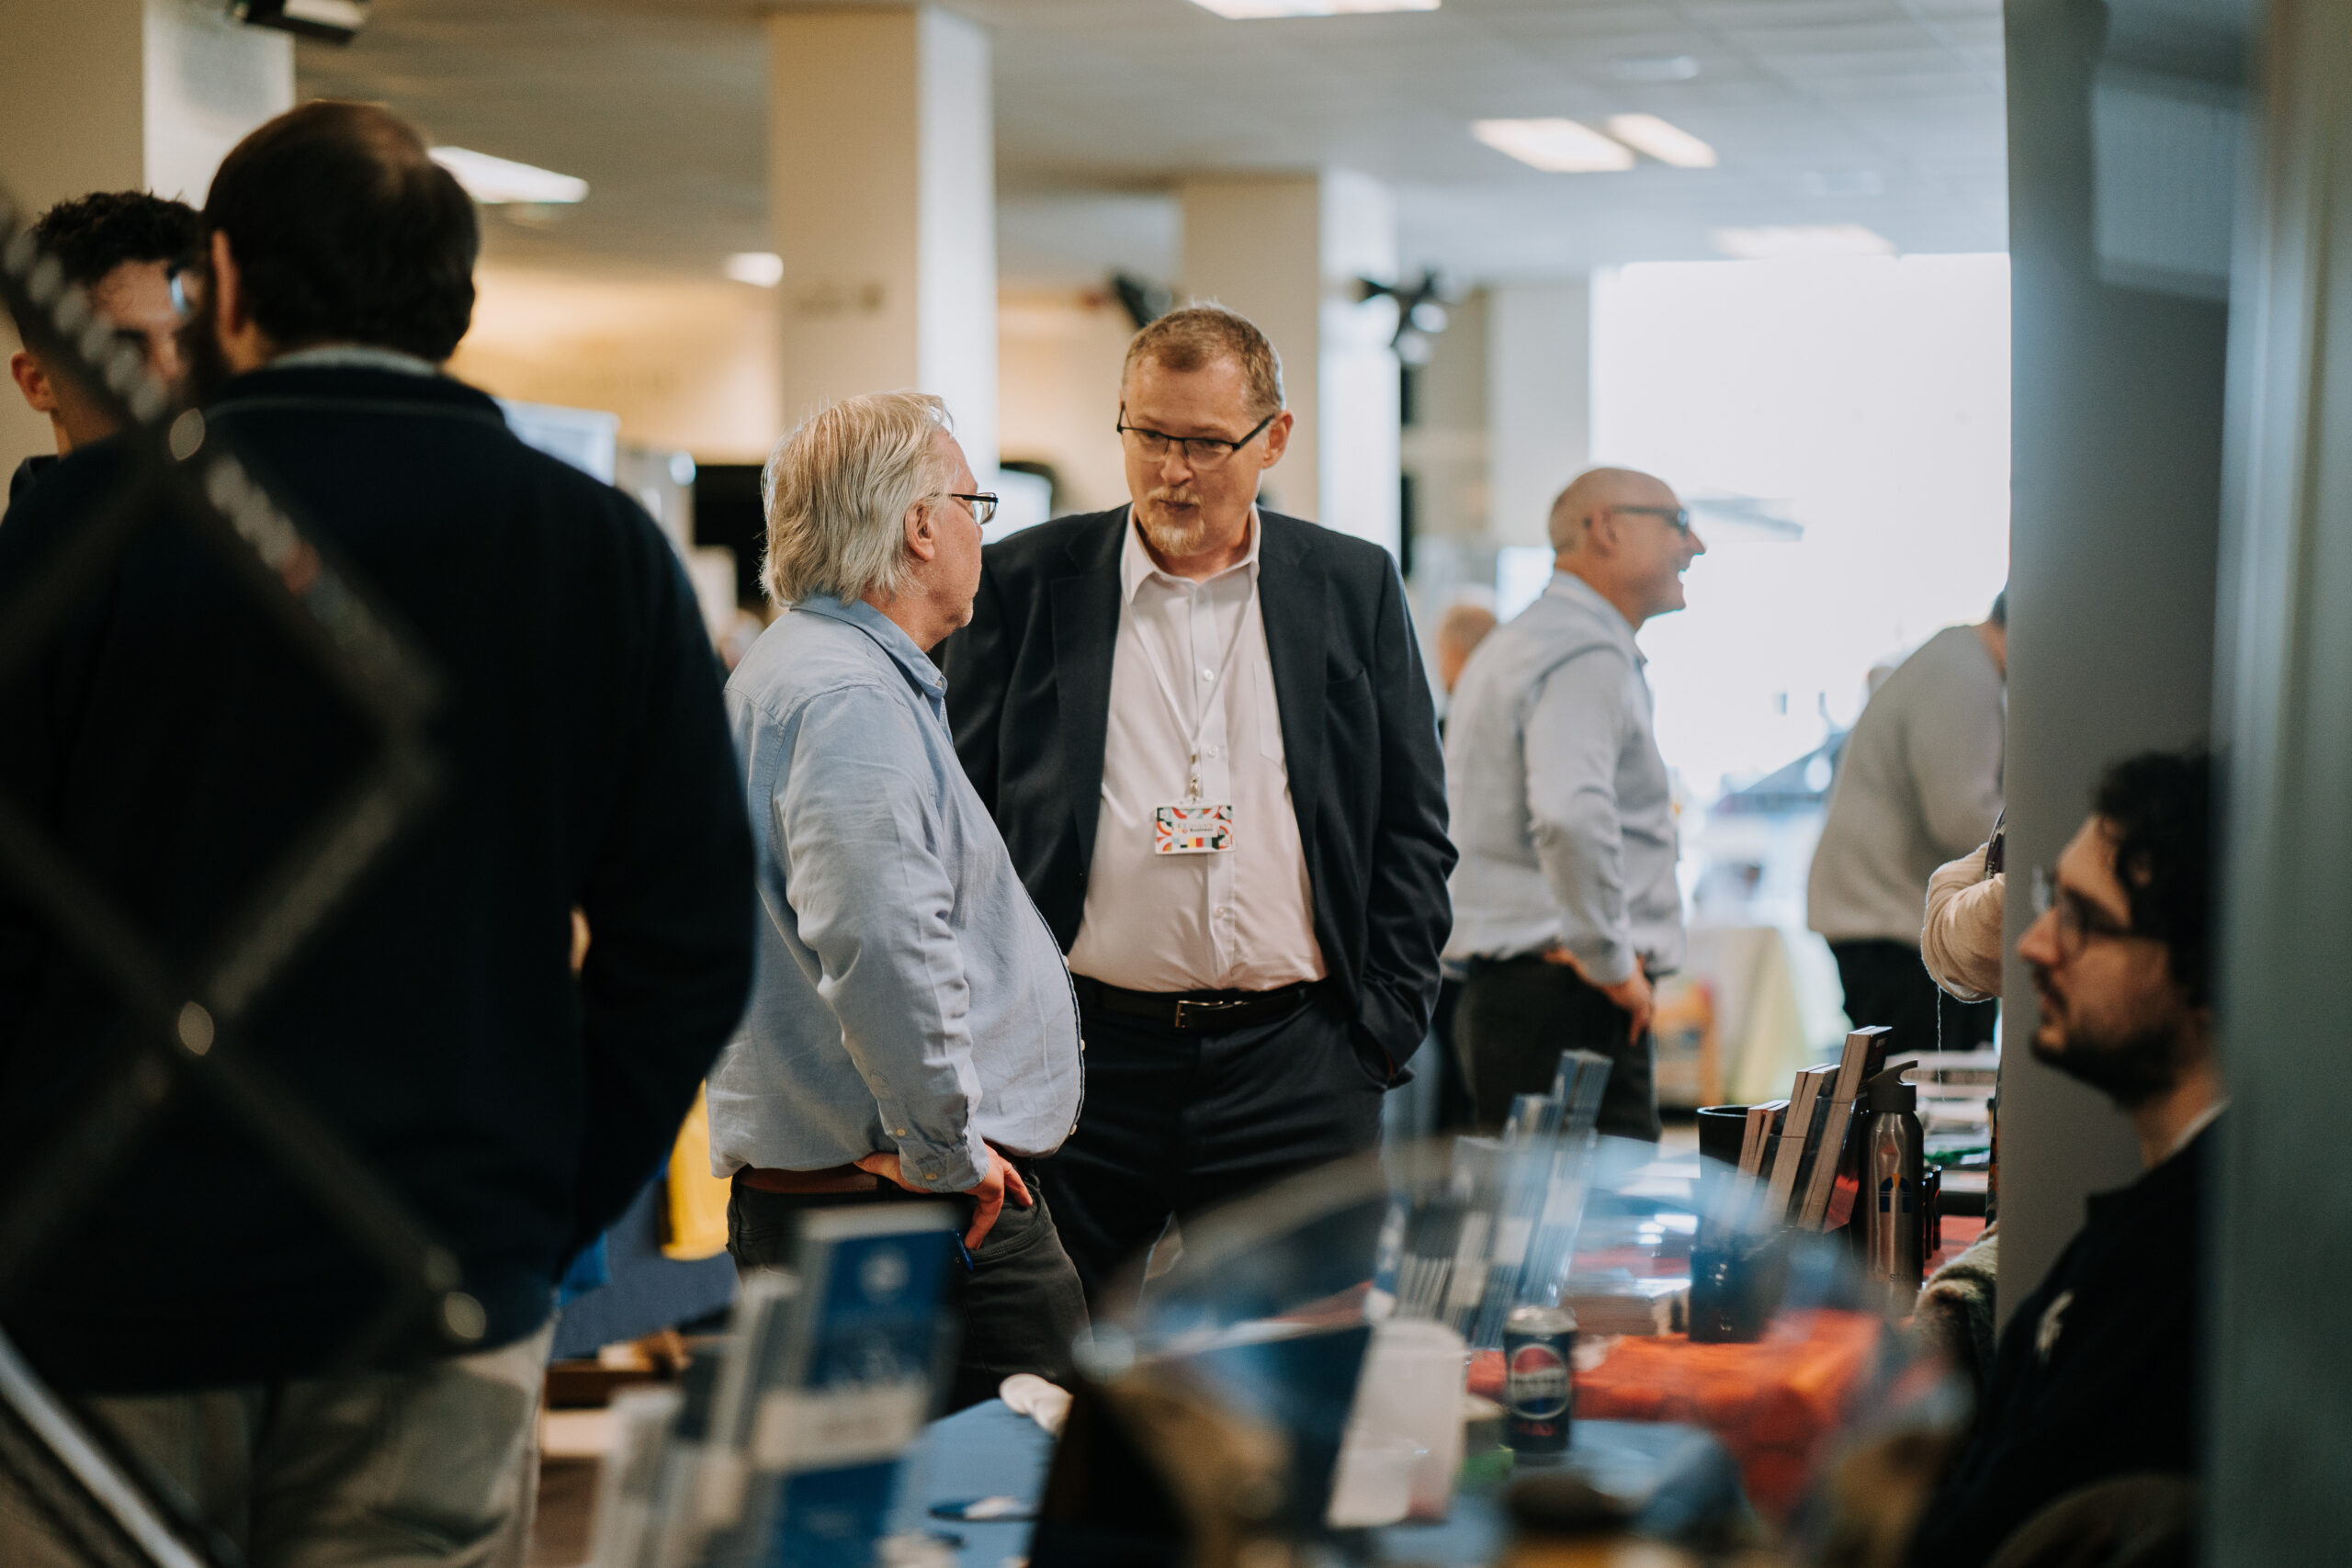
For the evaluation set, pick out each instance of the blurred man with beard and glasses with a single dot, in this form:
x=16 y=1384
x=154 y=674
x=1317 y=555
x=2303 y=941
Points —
x=123 y=249
x=180 y=753
x=1205 y=731
x=2097 y=1375
x=1566 y=903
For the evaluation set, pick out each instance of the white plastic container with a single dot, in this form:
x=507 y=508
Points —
x=1403 y=1447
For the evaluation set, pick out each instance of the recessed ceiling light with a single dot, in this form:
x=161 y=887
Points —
x=495 y=181
x=1556 y=146
x=1259 y=10
x=1803 y=239
x=761 y=269
x=1654 y=68
x=1667 y=144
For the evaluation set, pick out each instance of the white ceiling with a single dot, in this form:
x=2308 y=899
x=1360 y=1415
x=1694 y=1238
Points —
x=1886 y=113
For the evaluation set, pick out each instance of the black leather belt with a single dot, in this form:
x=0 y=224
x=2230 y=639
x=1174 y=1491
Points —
x=1199 y=1013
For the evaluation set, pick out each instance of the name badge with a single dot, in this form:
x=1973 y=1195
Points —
x=1192 y=828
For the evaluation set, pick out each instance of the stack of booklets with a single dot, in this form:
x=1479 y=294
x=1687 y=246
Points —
x=1799 y=1148
x=1627 y=1305
x=789 y=1454
x=1503 y=1229
x=1577 y=1085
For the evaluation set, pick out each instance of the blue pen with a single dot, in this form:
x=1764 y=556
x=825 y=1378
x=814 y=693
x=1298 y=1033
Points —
x=965 y=1253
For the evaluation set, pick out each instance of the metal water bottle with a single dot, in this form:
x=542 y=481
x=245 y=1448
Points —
x=1896 y=1189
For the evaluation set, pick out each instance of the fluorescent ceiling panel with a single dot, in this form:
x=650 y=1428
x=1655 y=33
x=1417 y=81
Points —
x=1556 y=146
x=498 y=181
x=1654 y=67
x=1665 y=142
x=1259 y=10
x=761 y=269
x=1803 y=239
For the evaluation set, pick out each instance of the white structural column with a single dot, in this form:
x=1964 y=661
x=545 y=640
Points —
x=123 y=95
x=1285 y=251
x=129 y=95
x=1539 y=401
x=882 y=199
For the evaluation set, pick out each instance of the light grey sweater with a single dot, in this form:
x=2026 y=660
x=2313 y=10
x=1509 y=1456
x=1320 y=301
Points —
x=1919 y=784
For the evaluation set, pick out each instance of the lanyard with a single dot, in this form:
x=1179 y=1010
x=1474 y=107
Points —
x=1208 y=700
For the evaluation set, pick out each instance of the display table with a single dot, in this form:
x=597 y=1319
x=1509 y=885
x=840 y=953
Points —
x=990 y=1451
x=1771 y=1403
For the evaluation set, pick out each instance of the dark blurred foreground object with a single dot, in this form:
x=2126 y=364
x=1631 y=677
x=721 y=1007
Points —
x=1663 y=1480
x=1201 y=1459
x=2132 y=1521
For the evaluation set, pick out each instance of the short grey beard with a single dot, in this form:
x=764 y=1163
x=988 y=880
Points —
x=1177 y=543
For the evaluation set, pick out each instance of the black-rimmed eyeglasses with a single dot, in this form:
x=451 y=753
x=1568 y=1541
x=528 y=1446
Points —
x=1200 y=451
x=2079 y=918
x=983 y=506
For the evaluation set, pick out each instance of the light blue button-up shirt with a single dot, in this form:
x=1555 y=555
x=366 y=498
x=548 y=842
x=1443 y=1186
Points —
x=1560 y=803
x=910 y=998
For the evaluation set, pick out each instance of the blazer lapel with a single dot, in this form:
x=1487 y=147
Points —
x=1297 y=646
x=1086 y=634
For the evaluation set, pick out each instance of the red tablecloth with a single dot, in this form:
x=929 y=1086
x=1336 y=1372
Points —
x=1960 y=1233
x=1772 y=1404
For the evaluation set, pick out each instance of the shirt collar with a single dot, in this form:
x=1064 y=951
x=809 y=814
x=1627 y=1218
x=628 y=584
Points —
x=887 y=636
x=354 y=356
x=1568 y=585
x=1137 y=566
x=2189 y=1135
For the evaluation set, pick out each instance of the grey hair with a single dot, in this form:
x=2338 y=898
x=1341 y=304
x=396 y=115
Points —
x=836 y=492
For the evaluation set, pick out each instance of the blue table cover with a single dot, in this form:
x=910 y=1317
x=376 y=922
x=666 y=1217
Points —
x=990 y=1451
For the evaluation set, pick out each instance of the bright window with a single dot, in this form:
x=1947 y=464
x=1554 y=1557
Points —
x=1871 y=395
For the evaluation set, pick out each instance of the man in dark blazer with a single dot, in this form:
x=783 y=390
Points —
x=1204 y=732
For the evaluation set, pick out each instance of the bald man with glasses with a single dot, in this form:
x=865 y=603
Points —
x=1204 y=732
x=1566 y=903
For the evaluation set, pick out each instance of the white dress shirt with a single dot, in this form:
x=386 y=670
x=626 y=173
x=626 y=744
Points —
x=1236 y=919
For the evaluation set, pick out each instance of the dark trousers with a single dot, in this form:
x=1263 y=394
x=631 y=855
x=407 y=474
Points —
x=1178 y=1121
x=1019 y=1308
x=1885 y=983
x=1456 y=1111
x=1518 y=1014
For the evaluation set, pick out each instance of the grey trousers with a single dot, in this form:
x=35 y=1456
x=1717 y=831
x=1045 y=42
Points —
x=435 y=1465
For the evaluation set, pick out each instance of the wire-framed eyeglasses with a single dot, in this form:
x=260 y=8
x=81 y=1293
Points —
x=983 y=506
x=1676 y=517
x=1200 y=451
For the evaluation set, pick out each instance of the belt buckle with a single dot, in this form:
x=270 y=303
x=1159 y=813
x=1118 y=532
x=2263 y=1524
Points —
x=1209 y=1010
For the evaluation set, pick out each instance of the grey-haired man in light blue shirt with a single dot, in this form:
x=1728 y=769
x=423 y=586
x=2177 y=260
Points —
x=913 y=1030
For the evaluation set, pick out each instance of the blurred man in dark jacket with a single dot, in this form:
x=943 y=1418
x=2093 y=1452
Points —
x=179 y=748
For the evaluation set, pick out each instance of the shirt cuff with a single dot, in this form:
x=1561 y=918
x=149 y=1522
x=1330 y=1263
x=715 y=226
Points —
x=941 y=1168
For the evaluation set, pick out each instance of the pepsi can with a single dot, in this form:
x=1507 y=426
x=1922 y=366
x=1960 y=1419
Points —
x=1539 y=1388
